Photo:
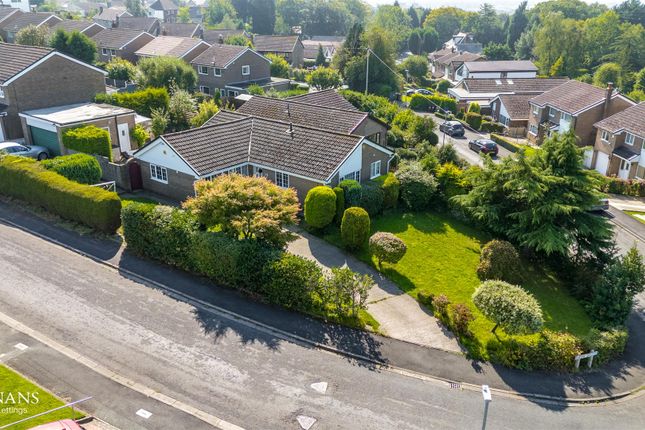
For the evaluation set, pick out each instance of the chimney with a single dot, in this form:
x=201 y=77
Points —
x=100 y=10
x=609 y=93
x=116 y=24
x=220 y=39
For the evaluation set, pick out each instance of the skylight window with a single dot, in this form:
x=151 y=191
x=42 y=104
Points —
x=498 y=82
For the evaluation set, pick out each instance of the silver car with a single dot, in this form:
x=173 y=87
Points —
x=13 y=148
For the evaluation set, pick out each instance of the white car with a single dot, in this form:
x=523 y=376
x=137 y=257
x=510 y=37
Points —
x=13 y=148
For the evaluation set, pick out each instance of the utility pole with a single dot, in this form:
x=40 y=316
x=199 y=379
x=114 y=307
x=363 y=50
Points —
x=367 y=71
x=487 y=399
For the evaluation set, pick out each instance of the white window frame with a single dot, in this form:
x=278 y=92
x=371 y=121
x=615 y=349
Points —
x=204 y=87
x=282 y=180
x=375 y=169
x=1 y=92
x=531 y=129
x=233 y=93
x=566 y=117
x=354 y=176
x=630 y=139
x=202 y=70
x=604 y=136
x=217 y=71
x=159 y=173
x=552 y=112
x=536 y=110
x=222 y=92
x=246 y=70
x=105 y=51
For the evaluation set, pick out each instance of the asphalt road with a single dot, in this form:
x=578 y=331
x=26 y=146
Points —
x=228 y=369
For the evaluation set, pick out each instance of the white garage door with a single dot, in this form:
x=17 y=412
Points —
x=588 y=157
x=602 y=162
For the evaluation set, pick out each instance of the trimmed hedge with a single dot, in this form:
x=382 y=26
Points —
x=386 y=247
x=355 y=227
x=88 y=139
x=81 y=168
x=492 y=127
x=340 y=204
x=353 y=192
x=320 y=206
x=142 y=102
x=25 y=179
x=372 y=198
x=391 y=187
x=419 y=102
x=632 y=187
x=474 y=120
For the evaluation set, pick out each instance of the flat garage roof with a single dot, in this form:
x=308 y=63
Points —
x=75 y=113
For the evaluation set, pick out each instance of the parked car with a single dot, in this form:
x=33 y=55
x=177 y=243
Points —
x=410 y=92
x=452 y=128
x=601 y=206
x=13 y=148
x=485 y=146
x=424 y=92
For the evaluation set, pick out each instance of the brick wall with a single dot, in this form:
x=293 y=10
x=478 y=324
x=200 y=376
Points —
x=260 y=69
x=179 y=186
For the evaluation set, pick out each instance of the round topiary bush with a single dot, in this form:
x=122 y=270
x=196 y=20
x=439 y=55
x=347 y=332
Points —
x=418 y=187
x=320 y=206
x=355 y=227
x=353 y=192
x=499 y=260
x=340 y=204
x=509 y=306
x=387 y=247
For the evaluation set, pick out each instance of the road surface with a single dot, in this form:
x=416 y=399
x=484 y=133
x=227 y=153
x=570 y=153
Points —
x=226 y=368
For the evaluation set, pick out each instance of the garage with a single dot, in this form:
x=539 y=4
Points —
x=46 y=138
x=602 y=162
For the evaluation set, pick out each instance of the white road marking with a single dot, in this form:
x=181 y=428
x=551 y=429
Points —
x=21 y=346
x=144 y=414
x=320 y=387
x=306 y=422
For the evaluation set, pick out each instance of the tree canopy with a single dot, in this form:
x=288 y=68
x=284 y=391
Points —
x=74 y=44
x=166 y=71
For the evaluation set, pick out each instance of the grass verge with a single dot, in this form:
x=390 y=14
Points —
x=638 y=216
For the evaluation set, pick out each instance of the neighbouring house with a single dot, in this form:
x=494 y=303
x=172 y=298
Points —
x=109 y=17
x=120 y=42
x=7 y=14
x=142 y=23
x=464 y=42
x=45 y=127
x=290 y=155
x=512 y=111
x=10 y=27
x=329 y=44
x=185 y=48
x=483 y=91
x=619 y=149
x=231 y=69
x=33 y=78
x=289 y=47
x=179 y=29
x=510 y=69
x=22 y=5
x=325 y=98
x=298 y=111
x=164 y=10
x=220 y=35
x=575 y=106
x=88 y=28
x=446 y=66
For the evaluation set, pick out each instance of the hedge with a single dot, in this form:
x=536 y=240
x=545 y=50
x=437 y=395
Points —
x=320 y=206
x=420 y=102
x=509 y=144
x=353 y=192
x=88 y=139
x=631 y=187
x=474 y=120
x=26 y=179
x=391 y=187
x=492 y=127
x=81 y=168
x=142 y=102
x=372 y=198
x=355 y=227
x=340 y=204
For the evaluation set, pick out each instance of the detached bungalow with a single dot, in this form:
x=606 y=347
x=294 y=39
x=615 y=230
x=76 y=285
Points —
x=289 y=155
x=185 y=48
x=120 y=42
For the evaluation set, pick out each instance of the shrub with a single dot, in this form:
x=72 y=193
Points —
x=142 y=102
x=499 y=260
x=386 y=247
x=81 y=168
x=417 y=187
x=291 y=282
x=425 y=298
x=610 y=344
x=450 y=180
x=320 y=206
x=632 y=187
x=419 y=102
x=390 y=186
x=88 y=139
x=474 y=107
x=166 y=71
x=443 y=86
x=406 y=154
x=440 y=306
x=26 y=179
x=508 y=306
x=353 y=192
x=160 y=232
x=460 y=318
x=139 y=135
x=492 y=127
x=355 y=227
x=372 y=198
x=340 y=204
x=474 y=120
x=395 y=137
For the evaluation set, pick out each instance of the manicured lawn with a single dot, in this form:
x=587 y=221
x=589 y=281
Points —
x=12 y=383
x=640 y=216
x=135 y=199
x=442 y=258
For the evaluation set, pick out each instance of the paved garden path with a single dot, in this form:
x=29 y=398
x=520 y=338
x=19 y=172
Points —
x=399 y=315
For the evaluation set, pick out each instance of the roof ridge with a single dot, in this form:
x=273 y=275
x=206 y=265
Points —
x=203 y=127
x=307 y=127
x=290 y=100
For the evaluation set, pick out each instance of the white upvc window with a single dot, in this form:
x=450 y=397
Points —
x=536 y=110
x=202 y=70
x=629 y=139
x=282 y=179
x=533 y=129
x=565 y=117
x=356 y=176
x=233 y=93
x=204 y=90
x=217 y=71
x=158 y=173
x=604 y=136
x=375 y=169
x=222 y=92
x=105 y=51
x=246 y=70
x=552 y=112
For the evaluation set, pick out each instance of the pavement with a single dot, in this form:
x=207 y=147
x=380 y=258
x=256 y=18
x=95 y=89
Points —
x=400 y=316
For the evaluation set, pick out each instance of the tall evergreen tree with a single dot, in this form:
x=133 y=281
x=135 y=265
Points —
x=414 y=17
x=517 y=24
x=320 y=57
x=262 y=14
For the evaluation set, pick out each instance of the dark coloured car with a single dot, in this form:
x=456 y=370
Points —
x=410 y=92
x=452 y=128
x=485 y=146
x=424 y=92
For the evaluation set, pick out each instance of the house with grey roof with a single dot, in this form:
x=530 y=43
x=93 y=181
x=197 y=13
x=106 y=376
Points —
x=464 y=42
x=33 y=78
x=164 y=10
x=88 y=28
x=220 y=35
x=619 y=149
x=325 y=98
x=180 y=29
x=121 y=43
x=290 y=155
x=289 y=47
x=512 y=111
x=7 y=14
x=510 y=69
x=573 y=106
x=10 y=27
x=186 y=48
x=142 y=23
x=446 y=66
x=329 y=45
x=230 y=69
x=109 y=17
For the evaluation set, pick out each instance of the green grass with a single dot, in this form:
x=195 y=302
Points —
x=638 y=216
x=134 y=199
x=12 y=382
x=442 y=258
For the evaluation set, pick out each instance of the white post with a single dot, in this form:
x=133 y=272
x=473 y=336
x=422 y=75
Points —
x=367 y=71
x=487 y=399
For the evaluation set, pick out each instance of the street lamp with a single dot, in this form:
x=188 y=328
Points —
x=487 y=399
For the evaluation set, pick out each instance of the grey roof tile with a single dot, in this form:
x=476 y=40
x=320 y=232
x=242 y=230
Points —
x=631 y=120
x=325 y=98
x=218 y=55
x=515 y=85
x=275 y=43
x=15 y=58
x=169 y=46
x=29 y=18
x=572 y=97
x=117 y=37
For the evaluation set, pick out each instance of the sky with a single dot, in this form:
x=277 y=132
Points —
x=500 y=5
